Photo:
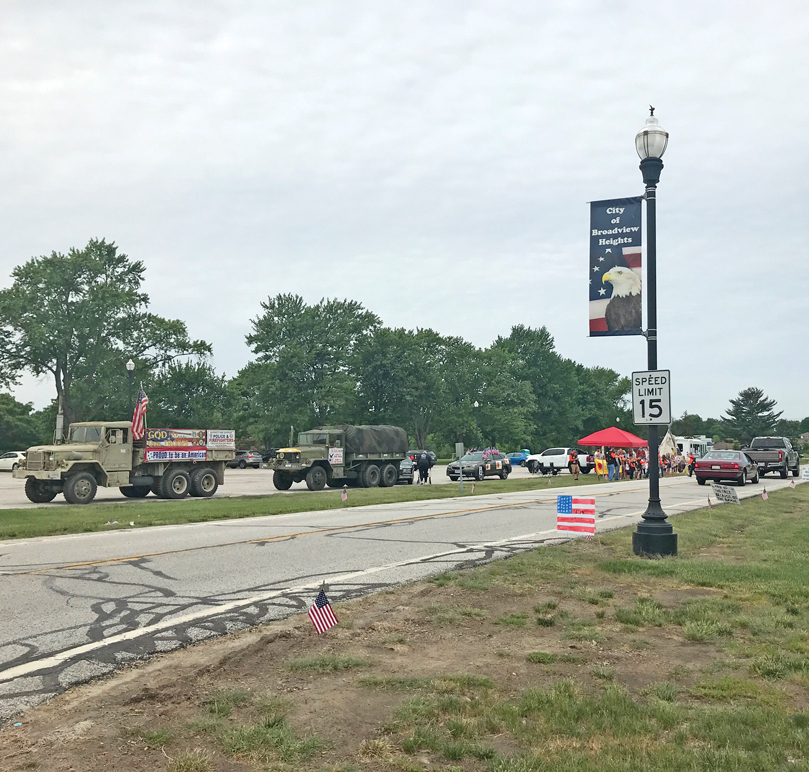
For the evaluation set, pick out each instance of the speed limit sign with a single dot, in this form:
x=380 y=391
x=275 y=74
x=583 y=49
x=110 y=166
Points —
x=651 y=397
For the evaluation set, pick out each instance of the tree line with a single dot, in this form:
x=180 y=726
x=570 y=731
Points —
x=77 y=318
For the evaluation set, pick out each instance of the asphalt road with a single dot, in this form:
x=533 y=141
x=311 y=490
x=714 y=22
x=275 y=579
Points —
x=238 y=482
x=76 y=607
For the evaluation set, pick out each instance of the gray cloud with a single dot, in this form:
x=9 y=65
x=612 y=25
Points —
x=432 y=160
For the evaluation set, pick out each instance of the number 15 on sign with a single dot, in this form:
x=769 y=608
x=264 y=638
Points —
x=651 y=397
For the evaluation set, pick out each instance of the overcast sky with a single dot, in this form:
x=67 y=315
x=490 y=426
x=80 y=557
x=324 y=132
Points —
x=432 y=160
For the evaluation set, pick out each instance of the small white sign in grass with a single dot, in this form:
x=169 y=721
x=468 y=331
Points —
x=725 y=493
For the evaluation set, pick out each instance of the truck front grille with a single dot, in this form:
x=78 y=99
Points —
x=35 y=461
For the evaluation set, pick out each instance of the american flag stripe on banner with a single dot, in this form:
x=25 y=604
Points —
x=575 y=514
x=139 y=417
x=321 y=614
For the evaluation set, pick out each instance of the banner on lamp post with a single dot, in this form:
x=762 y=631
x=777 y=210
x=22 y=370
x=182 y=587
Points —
x=615 y=267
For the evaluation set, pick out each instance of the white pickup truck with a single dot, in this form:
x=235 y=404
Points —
x=553 y=460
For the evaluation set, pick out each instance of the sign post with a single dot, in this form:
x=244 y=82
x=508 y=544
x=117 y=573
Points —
x=651 y=397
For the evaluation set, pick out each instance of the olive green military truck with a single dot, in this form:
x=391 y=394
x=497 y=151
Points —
x=170 y=463
x=364 y=456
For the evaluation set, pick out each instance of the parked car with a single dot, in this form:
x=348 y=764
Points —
x=553 y=460
x=734 y=465
x=245 y=458
x=774 y=454
x=406 y=467
x=11 y=460
x=519 y=457
x=479 y=464
x=414 y=455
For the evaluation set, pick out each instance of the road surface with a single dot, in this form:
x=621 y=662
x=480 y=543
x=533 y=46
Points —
x=238 y=482
x=76 y=607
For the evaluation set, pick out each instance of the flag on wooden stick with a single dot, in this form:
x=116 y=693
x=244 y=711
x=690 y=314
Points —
x=764 y=494
x=321 y=613
x=344 y=493
x=139 y=417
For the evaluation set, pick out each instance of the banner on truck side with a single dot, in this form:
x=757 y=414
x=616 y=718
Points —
x=176 y=454
x=615 y=267
x=175 y=438
x=221 y=439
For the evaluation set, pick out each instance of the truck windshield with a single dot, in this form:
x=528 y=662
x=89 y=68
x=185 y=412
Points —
x=313 y=438
x=85 y=434
x=762 y=443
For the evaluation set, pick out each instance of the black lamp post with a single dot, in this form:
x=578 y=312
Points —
x=130 y=366
x=654 y=535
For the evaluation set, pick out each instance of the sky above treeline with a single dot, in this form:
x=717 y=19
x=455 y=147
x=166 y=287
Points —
x=432 y=160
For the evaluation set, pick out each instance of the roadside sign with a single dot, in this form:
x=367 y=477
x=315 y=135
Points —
x=651 y=397
x=805 y=473
x=725 y=493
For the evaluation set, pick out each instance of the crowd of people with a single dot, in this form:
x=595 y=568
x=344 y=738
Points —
x=621 y=464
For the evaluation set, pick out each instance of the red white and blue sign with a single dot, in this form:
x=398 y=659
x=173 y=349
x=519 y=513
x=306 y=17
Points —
x=615 y=267
x=575 y=514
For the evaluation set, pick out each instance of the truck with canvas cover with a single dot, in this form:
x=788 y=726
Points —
x=364 y=456
x=170 y=463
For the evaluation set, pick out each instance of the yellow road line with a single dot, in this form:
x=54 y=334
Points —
x=297 y=535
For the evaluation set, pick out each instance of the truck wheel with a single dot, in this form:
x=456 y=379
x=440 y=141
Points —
x=204 y=482
x=80 y=488
x=796 y=471
x=388 y=476
x=370 y=476
x=504 y=474
x=585 y=469
x=157 y=487
x=784 y=472
x=282 y=480
x=135 y=491
x=176 y=484
x=38 y=492
x=316 y=478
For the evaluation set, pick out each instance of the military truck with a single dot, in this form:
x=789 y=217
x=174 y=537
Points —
x=363 y=456
x=170 y=463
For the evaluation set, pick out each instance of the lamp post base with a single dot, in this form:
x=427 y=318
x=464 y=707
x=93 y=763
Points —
x=654 y=540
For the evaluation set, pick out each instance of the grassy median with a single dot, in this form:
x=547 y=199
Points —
x=575 y=658
x=59 y=518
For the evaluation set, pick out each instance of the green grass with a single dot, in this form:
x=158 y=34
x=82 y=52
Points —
x=193 y=761
x=58 y=518
x=222 y=702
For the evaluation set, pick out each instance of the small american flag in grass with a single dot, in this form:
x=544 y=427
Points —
x=575 y=514
x=321 y=614
x=791 y=483
x=764 y=494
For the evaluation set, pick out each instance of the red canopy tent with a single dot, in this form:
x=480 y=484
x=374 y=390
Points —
x=614 y=437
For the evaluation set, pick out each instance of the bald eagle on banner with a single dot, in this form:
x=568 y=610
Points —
x=624 y=311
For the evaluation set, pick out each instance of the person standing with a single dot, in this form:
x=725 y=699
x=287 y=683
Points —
x=424 y=464
x=611 y=461
x=692 y=461
x=573 y=461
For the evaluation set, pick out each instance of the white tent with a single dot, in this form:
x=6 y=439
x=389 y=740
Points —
x=668 y=446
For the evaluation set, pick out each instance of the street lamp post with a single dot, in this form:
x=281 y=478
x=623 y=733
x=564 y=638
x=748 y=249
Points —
x=654 y=535
x=130 y=367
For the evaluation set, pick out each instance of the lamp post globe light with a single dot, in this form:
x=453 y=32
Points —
x=130 y=367
x=654 y=535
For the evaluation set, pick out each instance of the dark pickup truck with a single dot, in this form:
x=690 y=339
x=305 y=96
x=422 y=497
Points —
x=774 y=454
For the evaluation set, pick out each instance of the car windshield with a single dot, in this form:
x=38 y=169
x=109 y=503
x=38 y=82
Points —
x=85 y=434
x=762 y=443
x=472 y=457
x=722 y=455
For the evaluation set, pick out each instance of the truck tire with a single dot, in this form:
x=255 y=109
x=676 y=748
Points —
x=316 y=478
x=176 y=484
x=388 y=475
x=585 y=469
x=784 y=472
x=282 y=480
x=80 y=488
x=135 y=491
x=157 y=487
x=370 y=476
x=38 y=492
x=204 y=482
x=796 y=471
x=504 y=474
